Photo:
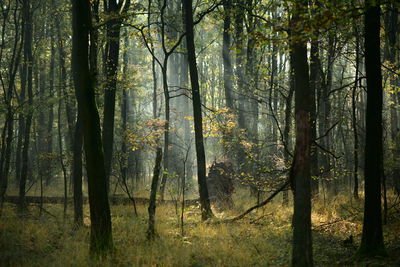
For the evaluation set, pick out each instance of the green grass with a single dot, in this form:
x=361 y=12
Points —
x=261 y=239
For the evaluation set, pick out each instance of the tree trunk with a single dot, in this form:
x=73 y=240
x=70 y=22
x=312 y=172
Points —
x=226 y=56
x=354 y=120
x=206 y=212
x=301 y=166
x=315 y=85
x=28 y=61
x=151 y=232
x=372 y=236
x=77 y=172
x=101 y=233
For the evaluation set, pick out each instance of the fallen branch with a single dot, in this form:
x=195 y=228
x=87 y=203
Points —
x=261 y=204
x=115 y=200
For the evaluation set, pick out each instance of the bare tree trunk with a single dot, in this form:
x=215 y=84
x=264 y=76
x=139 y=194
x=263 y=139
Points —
x=227 y=61
x=113 y=8
x=301 y=166
x=101 y=233
x=372 y=235
x=77 y=172
x=28 y=59
x=151 y=232
x=206 y=212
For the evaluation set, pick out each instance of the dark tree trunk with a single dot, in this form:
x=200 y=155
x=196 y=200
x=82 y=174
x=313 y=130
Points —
x=206 y=212
x=301 y=166
x=151 y=232
x=240 y=58
x=354 y=119
x=8 y=131
x=372 y=236
x=315 y=84
x=112 y=8
x=50 y=119
x=226 y=55
x=391 y=30
x=77 y=172
x=28 y=61
x=166 y=131
x=101 y=233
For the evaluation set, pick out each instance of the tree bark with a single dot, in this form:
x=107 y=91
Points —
x=301 y=166
x=206 y=212
x=226 y=55
x=101 y=233
x=77 y=172
x=372 y=236
x=113 y=9
x=151 y=232
x=28 y=59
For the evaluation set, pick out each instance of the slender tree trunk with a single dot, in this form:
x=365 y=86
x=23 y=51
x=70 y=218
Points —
x=28 y=61
x=206 y=212
x=315 y=84
x=77 y=172
x=166 y=129
x=226 y=56
x=151 y=232
x=111 y=69
x=288 y=123
x=354 y=119
x=9 y=121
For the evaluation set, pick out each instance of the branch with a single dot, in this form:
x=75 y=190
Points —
x=265 y=202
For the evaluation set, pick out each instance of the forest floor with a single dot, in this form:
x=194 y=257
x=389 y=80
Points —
x=263 y=238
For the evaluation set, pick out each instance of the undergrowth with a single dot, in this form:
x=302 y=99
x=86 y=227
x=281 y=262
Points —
x=263 y=238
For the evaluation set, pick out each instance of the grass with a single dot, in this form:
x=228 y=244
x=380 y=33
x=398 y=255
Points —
x=261 y=239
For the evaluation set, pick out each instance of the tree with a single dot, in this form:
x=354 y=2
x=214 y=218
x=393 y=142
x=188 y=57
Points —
x=100 y=234
x=113 y=9
x=206 y=212
x=27 y=76
x=226 y=55
x=372 y=236
x=301 y=166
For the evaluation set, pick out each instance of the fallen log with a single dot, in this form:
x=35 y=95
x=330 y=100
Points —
x=114 y=200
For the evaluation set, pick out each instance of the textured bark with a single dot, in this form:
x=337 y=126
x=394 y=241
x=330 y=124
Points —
x=113 y=8
x=151 y=232
x=100 y=234
x=372 y=236
x=206 y=212
x=301 y=166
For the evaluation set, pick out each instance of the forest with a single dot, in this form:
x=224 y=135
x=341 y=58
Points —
x=199 y=133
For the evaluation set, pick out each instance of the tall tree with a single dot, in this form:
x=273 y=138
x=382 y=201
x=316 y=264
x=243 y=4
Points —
x=27 y=75
x=301 y=166
x=226 y=55
x=113 y=9
x=100 y=234
x=372 y=236
x=206 y=212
